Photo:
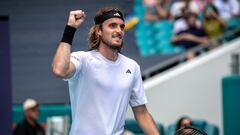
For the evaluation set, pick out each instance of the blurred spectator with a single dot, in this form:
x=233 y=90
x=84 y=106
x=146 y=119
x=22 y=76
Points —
x=189 y=130
x=181 y=24
x=183 y=122
x=227 y=8
x=202 y=4
x=156 y=10
x=191 y=37
x=213 y=24
x=29 y=125
x=180 y=7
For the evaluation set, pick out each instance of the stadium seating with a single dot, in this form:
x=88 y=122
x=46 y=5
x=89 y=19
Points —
x=232 y=27
x=231 y=110
x=153 y=37
x=47 y=111
x=131 y=125
x=210 y=129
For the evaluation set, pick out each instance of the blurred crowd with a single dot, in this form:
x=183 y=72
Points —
x=195 y=21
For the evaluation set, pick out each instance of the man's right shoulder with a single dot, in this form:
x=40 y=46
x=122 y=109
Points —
x=78 y=53
x=81 y=56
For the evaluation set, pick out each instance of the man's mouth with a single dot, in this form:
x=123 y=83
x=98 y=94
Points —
x=117 y=36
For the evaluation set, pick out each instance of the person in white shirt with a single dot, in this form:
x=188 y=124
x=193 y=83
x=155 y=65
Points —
x=227 y=8
x=179 y=8
x=102 y=81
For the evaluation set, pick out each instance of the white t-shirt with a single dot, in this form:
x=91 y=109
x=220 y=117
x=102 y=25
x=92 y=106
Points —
x=226 y=9
x=100 y=91
x=176 y=8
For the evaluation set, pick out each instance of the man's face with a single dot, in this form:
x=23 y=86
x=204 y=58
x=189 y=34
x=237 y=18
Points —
x=112 y=32
x=33 y=113
x=191 y=21
x=186 y=122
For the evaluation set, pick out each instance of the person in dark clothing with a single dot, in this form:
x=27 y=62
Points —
x=191 y=37
x=29 y=125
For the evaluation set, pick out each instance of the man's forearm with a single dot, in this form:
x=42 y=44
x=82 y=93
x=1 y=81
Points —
x=145 y=120
x=148 y=125
x=200 y=40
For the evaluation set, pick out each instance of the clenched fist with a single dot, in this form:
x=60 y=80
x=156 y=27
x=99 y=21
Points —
x=76 y=18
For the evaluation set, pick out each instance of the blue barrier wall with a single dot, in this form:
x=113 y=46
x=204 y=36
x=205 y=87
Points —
x=231 y=103
x=5 y=78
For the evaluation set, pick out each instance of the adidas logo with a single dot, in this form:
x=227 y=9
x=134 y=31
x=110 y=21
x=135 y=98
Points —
x=128 y=71
x=116 y=14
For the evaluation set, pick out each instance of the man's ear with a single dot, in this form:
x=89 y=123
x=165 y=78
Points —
x=98 y=31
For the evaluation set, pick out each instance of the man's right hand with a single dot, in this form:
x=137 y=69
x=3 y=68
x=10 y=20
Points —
x=76 y=18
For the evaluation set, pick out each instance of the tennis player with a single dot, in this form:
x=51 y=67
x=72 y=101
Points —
x=102 y=81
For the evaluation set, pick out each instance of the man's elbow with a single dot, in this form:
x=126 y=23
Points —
x=59 y=72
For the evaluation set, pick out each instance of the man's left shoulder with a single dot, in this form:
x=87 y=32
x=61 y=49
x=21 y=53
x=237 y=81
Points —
x=129 y=60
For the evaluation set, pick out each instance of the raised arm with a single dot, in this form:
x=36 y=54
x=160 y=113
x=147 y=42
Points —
x=61 y=65
x=145 y=120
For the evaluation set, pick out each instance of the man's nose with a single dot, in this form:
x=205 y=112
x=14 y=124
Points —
x=119 y=29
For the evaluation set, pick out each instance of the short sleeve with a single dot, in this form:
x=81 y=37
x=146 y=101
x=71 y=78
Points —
x=77 y=58
x=138 y=96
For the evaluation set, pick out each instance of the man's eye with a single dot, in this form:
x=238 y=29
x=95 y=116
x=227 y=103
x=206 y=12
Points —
x=122 y=26
x=112 y=25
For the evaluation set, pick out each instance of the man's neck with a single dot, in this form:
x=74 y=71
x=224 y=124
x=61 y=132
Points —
x=108 y=52
x=30 y=121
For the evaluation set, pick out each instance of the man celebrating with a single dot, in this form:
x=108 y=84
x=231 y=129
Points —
x=102 y=82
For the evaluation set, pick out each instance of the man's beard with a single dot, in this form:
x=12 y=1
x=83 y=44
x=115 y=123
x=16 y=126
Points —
x=112 y=46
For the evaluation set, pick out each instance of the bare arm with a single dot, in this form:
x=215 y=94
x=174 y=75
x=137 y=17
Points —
x=201 y=40
x=61 y=65
x=163 y=13
x=189 y=37
x=145 y=120
x=176 y=38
